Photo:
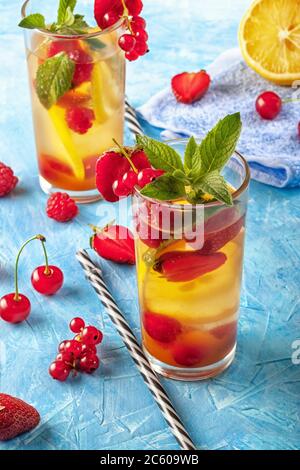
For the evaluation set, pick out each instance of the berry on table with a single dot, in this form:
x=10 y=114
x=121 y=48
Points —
x=268 y=105
x=127 y=42
x=14 y=309
x=16 y=417
x=88 y=348
x=74 y=347
x=61 y=346
x=80 y=120
x=148 y=175
x=47 y=280
x=89 y=363
x=66 y=357
x=59 y=371
x=61 y=207
x=8 y=181
x=190 y=87
x=77 y=325
x=91 y=335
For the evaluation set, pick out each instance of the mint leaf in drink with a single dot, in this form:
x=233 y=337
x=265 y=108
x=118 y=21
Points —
x=65 y=11
x=54 y=79
x=161 y=156
x=190 y=152
x=164 y=188
x=219 y=144
x=33 y=21
x=213 y=183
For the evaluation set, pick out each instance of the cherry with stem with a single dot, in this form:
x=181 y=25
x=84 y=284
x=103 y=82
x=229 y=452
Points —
x=47 y=279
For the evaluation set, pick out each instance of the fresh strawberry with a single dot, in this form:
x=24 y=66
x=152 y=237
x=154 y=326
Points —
x=214 y=241
x=190 y=87
x=180 y=266
x=161 y=328
x=112 y=166
x=103 y=7
x=115 y=243
x=16 y=417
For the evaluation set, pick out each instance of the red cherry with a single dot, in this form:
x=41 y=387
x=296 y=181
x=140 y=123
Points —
x=120 y=189
x=148 y=175
x=130 y=180
x=268 y=105
x=59 y=371
x=73 y=347
x=127 y=42
x=161 y=328
x=89 y=363
x=132 y=55
x=14 y=311
x=47 y=284
x=77 y=324
x=91 y=335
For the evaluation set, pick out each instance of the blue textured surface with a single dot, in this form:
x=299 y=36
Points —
x=256 y=404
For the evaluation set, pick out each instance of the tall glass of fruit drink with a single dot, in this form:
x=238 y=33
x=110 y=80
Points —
x=189 y=269
x=74 y=124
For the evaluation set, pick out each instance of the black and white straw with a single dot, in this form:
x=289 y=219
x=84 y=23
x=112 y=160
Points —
x=94 y=275
x=132 y=120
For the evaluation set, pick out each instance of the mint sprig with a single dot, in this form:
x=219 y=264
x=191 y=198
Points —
x=35 y=21
x=65 y=11
x=54 y=78
x=201 y=171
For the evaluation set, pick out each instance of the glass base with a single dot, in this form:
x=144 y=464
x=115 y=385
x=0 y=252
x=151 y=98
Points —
x=191 y=374
x=81 y=197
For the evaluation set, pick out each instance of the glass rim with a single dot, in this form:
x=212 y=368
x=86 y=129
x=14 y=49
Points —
x=72 y=36
x=243 y=187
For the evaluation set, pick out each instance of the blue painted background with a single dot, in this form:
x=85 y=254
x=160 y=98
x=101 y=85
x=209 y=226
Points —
x=255 y=405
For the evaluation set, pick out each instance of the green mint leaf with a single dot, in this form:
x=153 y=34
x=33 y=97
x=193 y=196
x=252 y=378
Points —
x=54 y=78
x=164 y=188
x=69 y=18
x=219 y=144
x=196 y=164
x=95 y=44
x=33 y=21
x=161 y=156
x=189 y=153
x=65 y=8
x=213 y=183
x=180 y=176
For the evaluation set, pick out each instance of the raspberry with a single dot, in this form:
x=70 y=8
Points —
x=8 y=181
x=83 y=68
x=61 y=207
x=80 y=120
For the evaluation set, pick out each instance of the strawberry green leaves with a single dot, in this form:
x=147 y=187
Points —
x=54 y=79
x=33 y=21
x=201 y=172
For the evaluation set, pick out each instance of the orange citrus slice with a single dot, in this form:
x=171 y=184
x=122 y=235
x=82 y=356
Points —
x=269 y=38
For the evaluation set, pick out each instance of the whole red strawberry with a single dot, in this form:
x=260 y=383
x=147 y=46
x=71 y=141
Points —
x=8 y=181
x=115 y=243
x=190 y=87
x=61 y=207
x=16 y=417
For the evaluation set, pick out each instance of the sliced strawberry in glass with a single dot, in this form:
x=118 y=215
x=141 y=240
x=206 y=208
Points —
x=214 y=241
x=161 y=328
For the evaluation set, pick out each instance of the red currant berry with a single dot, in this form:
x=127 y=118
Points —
x=134 y=7
x=47 y=283
x=148 y=175
x=78 y=338
x=73 y=347
x=62 y=346
x=91 y=335
x=268 y=105
x=77 y=324
x=109 y=19
x=66 y=357
x=127 y=42
x=141 y=35
x=120 y=189
x=130 y=180
x=137 y=23
x=88 y=349
x=14 y=310
x=59 y=371
x=132 y=55
x=89 y=363
x=141 y=47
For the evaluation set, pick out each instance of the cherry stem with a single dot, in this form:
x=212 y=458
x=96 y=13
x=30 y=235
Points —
x=36 y=237
x=47 y=271
x=291 y=100
x=126 y=155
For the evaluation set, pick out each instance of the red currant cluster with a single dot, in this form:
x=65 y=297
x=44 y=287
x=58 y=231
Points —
x=78 y=354
x=133 y=43
x=47 y=280
x=124 y=186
